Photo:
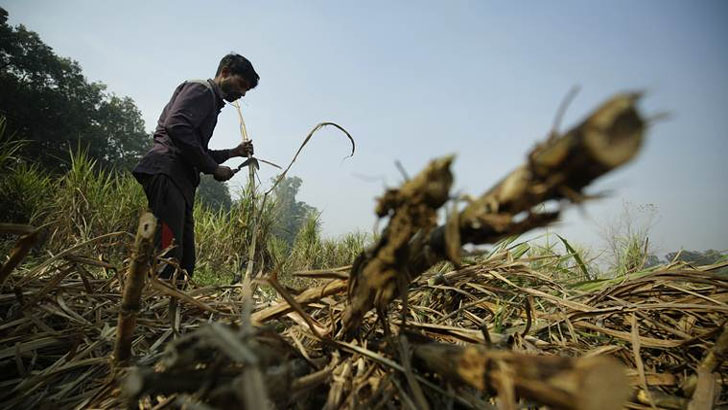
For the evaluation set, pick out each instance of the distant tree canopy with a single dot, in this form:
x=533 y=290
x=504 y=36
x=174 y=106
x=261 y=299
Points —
x=697 y=258
x=290 y=214
x=213 y=194
x=47 y=101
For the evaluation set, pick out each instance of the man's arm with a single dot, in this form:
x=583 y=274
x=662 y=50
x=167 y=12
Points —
x=221 y=155
x=245 y=149
x=190 y=108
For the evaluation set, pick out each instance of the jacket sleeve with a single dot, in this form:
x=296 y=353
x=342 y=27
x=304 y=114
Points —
x=220 y=156
x=190 y=108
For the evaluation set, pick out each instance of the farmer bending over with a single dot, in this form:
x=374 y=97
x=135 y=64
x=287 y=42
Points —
x=170 y=171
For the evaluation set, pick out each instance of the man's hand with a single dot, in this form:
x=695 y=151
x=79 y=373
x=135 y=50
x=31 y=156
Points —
x=245 y=149
x=223 y=173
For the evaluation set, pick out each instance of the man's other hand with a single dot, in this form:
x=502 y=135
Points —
x=245 y=149
x=223 y=173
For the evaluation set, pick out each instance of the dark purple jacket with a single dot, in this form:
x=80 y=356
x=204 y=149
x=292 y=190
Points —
x=183 y=132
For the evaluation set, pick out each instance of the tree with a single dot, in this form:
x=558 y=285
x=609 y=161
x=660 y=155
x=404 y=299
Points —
x=49 y=102
x=697 y=258
x=290 y=214
x=214 y=194
x=652 y=260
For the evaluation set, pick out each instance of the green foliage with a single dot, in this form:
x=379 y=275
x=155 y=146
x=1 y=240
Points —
x=49 y=102
x=310 y=251
x=223 y=237
x=547 y=258
x=9 y=147
x=290 y=214
x=24 y=187
x=278 y=249
x=89 y=202
x=577 y=258
x=562 y=260
x=221 y=243
x=346 y=249
x=627 y=238
x=214 y=194
x=307 y=245
x=25 y=195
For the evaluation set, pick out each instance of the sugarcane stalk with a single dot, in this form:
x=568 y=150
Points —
x=251 y=184
x=277 y=382
x=253 y=225
x=413 y=210
x=661 y=400
x=251 y=188
x=702 y=385
x=141 y=261
x=306 y=297
x=556 y=169
x=593 y=383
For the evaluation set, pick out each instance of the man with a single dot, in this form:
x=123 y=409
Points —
x=170 y=171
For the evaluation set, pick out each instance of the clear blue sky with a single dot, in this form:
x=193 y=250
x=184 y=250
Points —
x=415 y=80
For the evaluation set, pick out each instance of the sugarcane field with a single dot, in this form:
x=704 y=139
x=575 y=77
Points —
x=372 y=206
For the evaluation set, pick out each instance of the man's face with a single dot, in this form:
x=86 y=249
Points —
x=233 y=86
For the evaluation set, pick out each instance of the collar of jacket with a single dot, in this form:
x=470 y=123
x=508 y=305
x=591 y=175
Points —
x=218 y=94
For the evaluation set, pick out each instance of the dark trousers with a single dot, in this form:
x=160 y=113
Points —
x=176 y=224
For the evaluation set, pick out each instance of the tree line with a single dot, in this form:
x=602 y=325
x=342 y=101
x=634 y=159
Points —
x=48 y=103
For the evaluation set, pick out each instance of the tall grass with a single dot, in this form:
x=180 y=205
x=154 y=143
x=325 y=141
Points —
x=564 y=261
x=25 y=193
x=627 y=238
x=223 y=237
x=23 y=187
x=310 y=251
x=87 y=202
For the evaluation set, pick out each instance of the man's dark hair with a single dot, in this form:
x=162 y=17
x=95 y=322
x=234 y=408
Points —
x=241 y=66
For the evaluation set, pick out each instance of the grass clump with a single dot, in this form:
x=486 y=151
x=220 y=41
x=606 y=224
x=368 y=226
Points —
x=88 y=202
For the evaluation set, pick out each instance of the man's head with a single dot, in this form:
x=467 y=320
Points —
x=235 y=76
